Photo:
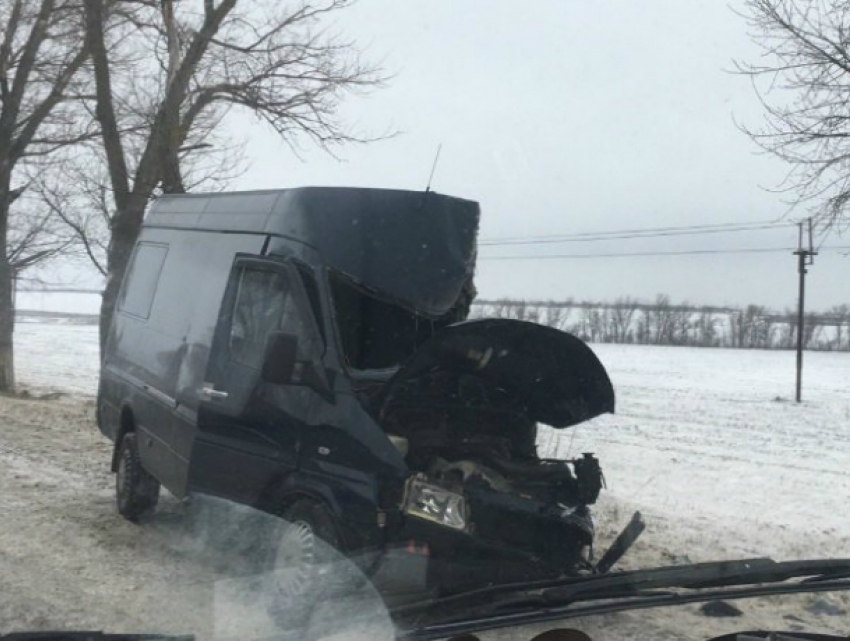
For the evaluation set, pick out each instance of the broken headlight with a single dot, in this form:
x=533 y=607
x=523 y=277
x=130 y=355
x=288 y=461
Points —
x=436 y=504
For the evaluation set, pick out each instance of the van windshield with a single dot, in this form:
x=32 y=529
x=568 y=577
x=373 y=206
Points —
x=375 y=333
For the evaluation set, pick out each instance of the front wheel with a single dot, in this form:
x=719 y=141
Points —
x=136 y=491
x=308 y=547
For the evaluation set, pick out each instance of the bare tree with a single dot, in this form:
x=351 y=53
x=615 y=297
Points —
x=706 y=328
x=596 y=324
x=787 y=335
x=802 y=80
x=41 y=52
x=840 y=315
x=167 y=73
x=749 y=328
x=658 y=321
x=812 y=330
x=737 y=328
x=80 y=199
x=764 y=328
x=606 y=322
x=76 y=191
x=664 y=323
x=501 y=308
x=34 y=236
x=561 y=320
x=622 y=315
x=518 y=310
x=681 y=324
x=582 y=326
x=555 y=315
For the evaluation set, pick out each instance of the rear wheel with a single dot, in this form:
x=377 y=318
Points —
x=136 y=491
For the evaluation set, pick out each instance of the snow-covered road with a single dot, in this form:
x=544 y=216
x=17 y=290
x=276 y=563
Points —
x=704 y=442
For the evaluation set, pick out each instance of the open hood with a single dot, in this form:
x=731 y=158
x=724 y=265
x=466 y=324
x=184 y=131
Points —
x=554 y=376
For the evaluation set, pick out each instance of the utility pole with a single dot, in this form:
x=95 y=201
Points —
x=805 y=258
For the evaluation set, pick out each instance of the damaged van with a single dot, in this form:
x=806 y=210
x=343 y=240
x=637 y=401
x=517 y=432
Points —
x=307 y=352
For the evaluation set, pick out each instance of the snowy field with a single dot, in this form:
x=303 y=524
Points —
x=704 y=434
x=707 y=443
x=57 y=357
x=713 y=436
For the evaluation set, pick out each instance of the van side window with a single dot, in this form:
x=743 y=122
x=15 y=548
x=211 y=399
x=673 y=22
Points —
x=142 y=279
x=264 y=304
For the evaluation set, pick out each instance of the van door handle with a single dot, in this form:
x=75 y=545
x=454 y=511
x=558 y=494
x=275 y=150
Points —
x=208 y=392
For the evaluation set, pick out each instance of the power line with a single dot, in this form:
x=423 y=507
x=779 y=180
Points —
x=574 y=304
x=692 y=252
x=778 y=223
x=59 y=290
x=629 y=236
x=707 y=228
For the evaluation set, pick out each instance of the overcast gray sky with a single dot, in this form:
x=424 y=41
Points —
x=568 y=116
x=565 y=117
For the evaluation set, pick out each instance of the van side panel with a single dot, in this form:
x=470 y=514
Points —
x=136 y=368
x=154 y=365
x=124 y=375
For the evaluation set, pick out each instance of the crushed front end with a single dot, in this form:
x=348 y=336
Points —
x=464 y=412
x=482 y=525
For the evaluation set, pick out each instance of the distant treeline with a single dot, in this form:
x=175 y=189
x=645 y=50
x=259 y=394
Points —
x=628 y=320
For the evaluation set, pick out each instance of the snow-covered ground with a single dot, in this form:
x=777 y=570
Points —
x=713 y=436
x=57 y=356
x=82 y=302
x=705 y=442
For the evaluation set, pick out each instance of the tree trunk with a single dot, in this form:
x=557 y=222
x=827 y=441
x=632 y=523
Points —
x=7 y=326
x=7 y=310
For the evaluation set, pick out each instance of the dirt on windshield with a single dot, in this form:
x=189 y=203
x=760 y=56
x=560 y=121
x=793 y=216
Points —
x=69 y=561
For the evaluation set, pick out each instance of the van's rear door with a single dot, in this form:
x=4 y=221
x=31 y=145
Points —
x=249 y=430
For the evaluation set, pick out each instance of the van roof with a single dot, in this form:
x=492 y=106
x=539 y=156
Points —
x=268 y=210
x=418 y=247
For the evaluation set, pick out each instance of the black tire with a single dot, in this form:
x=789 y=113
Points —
x=309 y=542
x=136 y=491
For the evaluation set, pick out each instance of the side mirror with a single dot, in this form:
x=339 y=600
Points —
x=279 y=359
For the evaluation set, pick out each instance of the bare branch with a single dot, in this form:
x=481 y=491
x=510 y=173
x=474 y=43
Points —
x=166 y=73
x=12 y=102
x=12 y=25
x=806 y=68
x=59 y=206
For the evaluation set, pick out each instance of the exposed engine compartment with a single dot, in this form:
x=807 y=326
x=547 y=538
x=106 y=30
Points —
x=552 y=482
x=463 y=410
x=464 y=432
x=470 y=437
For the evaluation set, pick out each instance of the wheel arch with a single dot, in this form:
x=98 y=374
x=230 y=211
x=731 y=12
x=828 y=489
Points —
x=286 y=490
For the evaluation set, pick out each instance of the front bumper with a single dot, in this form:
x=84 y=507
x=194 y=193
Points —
x=503 y=545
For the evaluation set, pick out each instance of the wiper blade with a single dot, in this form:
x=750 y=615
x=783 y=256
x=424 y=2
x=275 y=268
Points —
x=77 y=635
x=704 y=575
x=696 y=575
x=502 y=616
x=503 y=605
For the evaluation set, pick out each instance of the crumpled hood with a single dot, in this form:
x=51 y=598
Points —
x=554 y=375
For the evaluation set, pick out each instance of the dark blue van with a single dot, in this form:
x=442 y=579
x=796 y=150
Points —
x=306 y=352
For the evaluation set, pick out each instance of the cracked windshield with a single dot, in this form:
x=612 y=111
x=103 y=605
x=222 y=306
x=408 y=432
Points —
x=461 y=320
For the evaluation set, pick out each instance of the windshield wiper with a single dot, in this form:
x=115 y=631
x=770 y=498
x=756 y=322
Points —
x=90 y=636
x=519 y=603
